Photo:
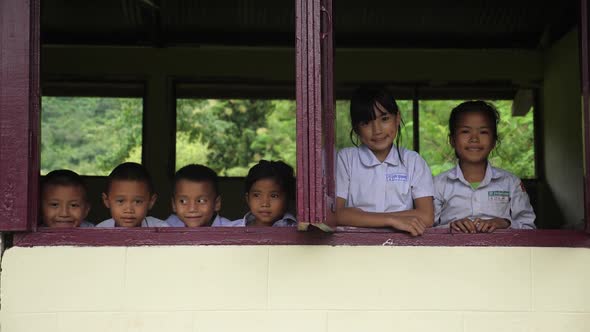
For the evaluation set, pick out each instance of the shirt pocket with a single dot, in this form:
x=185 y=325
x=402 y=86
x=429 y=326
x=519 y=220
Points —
x=398 y=196
x=499 y=208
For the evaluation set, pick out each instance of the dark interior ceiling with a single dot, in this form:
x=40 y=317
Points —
x=528 y=24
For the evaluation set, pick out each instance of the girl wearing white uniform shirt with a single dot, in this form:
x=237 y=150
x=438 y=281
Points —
x=379 y=184
x=474 y=196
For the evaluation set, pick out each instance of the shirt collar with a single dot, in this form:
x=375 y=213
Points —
x=368 y=158
x=287 y=219
x=457 y=174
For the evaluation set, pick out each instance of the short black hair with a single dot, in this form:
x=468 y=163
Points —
x=276 y=170
x=475 y=106
x=362 y=110
x=130 y=172
x=196 y=173
x=364 y=100
x=63 y=177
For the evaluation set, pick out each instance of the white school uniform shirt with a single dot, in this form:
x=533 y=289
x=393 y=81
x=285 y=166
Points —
x=388 y=186
x=499 y=195
x=147 y=222
x=86 y=224
x=218 y=221
x=288 y=220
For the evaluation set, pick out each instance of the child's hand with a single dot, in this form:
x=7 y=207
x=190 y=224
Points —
x=490 y=225
x=464 y=225
x=412 y=225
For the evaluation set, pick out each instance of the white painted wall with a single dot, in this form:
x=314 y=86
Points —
x=295 y=288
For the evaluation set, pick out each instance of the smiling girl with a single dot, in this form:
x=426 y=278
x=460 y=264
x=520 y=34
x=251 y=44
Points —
x=474 y=196
x=379 y=183
x=269 y=186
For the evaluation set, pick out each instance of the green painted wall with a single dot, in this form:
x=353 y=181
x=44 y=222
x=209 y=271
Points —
x=561 y=191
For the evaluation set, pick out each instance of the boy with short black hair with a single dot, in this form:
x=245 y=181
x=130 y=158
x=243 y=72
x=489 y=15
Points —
x=63 y=200
x=129 y=197
x=195 y=198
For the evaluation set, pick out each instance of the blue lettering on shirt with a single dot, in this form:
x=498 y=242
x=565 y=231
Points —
x=498 y=196
x=396 y=177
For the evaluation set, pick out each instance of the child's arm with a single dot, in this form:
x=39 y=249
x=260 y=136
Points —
x=414 y=221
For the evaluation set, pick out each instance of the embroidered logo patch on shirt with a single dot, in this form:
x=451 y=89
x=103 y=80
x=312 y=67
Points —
x=498 y=196
x=396 y=177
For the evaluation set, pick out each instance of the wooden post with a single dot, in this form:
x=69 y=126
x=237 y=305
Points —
x=315 y=114
x=19 y=114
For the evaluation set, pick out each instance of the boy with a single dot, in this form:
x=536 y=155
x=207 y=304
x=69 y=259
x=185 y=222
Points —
x=195 y=198
x=63 y=200
x=129 y=197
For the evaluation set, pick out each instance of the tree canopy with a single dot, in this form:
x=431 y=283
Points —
x=92 y=135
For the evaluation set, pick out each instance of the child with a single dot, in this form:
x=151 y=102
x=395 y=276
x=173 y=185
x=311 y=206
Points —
x=269 y=185
x=63 y=200
x=380 y=184
x=474 y=196
x=129 y=197
x=195 y=200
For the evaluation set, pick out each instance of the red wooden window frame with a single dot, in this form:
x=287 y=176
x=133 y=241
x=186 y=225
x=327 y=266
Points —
x=19 y=115
x=314 y=51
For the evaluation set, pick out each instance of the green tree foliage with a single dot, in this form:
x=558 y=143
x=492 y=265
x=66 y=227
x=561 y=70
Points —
x=93 y=135
x=89 y=135
x=235 y=134
x=515 y=151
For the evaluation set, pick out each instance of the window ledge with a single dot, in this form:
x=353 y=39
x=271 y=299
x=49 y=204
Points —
x=345 y=236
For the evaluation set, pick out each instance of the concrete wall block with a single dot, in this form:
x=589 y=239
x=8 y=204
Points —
x=196 y=278
x=48 y=279
x=261 y=321
x=560 y=279
x=93 y=321
x=497 y=322
x=400 y=278
x=383 y=321
x=14 y=322
x=559 y=322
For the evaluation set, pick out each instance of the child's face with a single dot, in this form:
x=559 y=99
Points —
x=473 y=139
x=195 y=203
x=378 y=135
x=64 y=206
x=129 y=202
x=267 y=202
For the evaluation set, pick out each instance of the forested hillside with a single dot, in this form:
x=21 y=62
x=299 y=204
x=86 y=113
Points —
x=92 y=135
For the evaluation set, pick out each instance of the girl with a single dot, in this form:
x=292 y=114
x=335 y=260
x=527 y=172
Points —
x=269 y=185
x=380 y=184
x=474 y=196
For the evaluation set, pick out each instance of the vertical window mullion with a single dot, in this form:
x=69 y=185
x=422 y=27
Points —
x=585 y=66
x=19 y=114
x=315 y=113
x=416 y=120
